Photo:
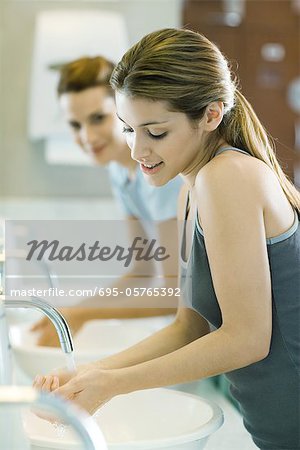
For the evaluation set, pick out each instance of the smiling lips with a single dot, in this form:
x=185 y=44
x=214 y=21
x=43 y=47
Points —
x=151 y=168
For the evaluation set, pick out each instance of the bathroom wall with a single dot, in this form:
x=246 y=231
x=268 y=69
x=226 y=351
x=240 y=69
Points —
x=23 y=169
x=264 y=49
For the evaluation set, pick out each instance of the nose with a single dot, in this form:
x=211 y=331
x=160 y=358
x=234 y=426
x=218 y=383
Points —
x=88 y=135
x=139 y=149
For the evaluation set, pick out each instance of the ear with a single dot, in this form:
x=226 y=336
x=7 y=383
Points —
x=213 y=116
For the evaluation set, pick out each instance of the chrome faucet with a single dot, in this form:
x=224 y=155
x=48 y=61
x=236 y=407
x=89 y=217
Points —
x=52 y=313
x=82 y=423
x=40 y=304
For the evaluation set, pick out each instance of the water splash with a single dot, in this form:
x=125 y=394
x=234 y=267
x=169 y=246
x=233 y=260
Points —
x=60 y=429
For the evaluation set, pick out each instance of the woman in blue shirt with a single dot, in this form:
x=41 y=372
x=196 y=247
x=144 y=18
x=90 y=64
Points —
x=88 y=104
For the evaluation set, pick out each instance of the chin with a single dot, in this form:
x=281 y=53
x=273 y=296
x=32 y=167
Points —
x=101 y=160
x=156 y=181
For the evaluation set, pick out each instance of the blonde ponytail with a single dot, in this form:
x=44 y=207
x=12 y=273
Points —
x=241 y=128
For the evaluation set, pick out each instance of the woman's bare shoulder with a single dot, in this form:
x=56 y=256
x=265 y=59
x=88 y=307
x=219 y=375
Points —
x=241 y=181
x=231 y=171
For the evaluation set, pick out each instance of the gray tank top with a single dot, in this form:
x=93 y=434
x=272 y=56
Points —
x=268 y=391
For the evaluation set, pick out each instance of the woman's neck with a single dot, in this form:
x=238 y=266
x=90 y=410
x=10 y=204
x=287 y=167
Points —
x=190 y=175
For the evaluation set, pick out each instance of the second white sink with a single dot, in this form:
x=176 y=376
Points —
x=96 y=339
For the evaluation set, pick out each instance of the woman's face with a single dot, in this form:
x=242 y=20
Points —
x=91 y=115
x=165 y=143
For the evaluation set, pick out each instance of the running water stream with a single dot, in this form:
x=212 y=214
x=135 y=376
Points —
x=60 y=428
x=70 y=362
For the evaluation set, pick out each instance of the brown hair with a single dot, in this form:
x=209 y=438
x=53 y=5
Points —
x=188 y=71
x=84 y=73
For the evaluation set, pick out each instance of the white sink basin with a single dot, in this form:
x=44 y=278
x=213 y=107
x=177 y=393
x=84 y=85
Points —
x=96 y=339
x=149 y=419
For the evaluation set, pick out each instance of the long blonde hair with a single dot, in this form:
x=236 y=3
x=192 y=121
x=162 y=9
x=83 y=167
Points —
x=186 y=70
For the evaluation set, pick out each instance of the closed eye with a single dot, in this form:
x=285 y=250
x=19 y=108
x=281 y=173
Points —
x=153 y=136
x=157 y=136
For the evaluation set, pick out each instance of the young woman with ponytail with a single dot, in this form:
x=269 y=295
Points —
x=240 y=246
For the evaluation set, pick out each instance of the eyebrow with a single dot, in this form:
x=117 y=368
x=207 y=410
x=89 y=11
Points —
x=97 y=113
x=144 y=124
x=90 y=116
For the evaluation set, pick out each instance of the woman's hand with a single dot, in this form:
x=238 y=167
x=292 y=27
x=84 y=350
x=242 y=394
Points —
x=58 y=377
x=47 y=332
x=89 y=387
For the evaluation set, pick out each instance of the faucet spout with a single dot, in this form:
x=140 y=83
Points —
x=52 y=313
